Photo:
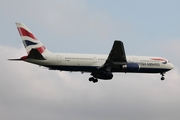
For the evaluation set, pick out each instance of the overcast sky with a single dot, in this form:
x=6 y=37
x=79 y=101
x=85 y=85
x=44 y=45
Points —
x=89 y=26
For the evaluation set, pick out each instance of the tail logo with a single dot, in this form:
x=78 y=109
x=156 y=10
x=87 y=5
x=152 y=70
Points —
x=28 y=43
x=29 y=40
x=24 y=32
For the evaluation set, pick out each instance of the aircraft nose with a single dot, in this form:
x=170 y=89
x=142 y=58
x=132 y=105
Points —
x=171 y=66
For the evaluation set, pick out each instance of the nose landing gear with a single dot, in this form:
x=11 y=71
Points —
x=162 y=78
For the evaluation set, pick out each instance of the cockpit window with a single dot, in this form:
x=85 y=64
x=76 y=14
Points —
x=164 y=62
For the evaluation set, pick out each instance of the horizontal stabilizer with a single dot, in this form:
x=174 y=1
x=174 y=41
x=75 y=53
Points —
x=35 y=54
x=15 y=59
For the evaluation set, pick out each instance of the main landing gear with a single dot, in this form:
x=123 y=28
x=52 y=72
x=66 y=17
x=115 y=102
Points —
x=162 y=78
x=94 y=80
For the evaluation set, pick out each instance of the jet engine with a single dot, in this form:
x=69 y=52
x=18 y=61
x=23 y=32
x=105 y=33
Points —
x=131 y=67
x=103 y=75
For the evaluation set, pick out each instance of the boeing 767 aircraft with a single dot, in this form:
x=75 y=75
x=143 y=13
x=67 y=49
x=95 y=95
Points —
x=99 y=66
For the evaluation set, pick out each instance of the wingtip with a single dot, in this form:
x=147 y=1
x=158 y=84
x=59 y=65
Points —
x=118 y=41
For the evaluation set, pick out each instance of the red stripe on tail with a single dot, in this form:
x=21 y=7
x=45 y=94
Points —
x=41 y=49
x=24 y=32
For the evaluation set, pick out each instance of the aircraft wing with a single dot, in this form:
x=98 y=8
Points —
x=116 y=57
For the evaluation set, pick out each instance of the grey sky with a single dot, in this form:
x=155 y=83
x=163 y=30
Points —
x=146 y=27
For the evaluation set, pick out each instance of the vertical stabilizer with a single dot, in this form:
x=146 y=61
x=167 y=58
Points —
x=29 y=40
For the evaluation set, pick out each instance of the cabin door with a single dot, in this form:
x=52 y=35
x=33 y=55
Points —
x=95 y=59
x=58 y=58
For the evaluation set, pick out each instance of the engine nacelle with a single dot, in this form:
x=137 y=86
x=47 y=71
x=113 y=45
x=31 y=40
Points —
x=103 y=75
x=131 y=67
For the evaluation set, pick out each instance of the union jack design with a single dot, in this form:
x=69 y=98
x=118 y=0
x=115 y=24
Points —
x=29 y=40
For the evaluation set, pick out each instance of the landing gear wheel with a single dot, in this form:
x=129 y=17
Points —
x=94 y=80
x=91 y=79
x=162 y=78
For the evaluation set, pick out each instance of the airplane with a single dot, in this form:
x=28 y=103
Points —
x=99 y=66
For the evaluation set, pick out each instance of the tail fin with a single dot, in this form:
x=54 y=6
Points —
x=29 y=40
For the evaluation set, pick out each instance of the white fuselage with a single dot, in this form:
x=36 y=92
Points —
x=86 y=62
